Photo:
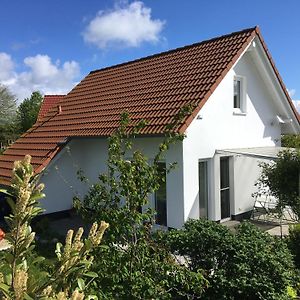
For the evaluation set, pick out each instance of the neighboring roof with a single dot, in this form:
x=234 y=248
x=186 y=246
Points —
x=153 y=88
x=260 y=152
x=48 y=102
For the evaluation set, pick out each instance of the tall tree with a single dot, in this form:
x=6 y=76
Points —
x=28 y=111
x=8 y=108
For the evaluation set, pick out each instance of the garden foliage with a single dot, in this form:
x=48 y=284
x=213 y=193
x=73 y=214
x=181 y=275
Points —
x=247 y=264
x=282 y=178
x=290 y=141
x=21 y=276
x=294 y=243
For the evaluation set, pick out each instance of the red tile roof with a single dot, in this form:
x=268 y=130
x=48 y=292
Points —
x=48 y=102
x=152 y=88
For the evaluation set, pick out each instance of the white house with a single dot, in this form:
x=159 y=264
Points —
x=241 y=109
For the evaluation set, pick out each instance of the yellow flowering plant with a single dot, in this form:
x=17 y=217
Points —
x=74 y=259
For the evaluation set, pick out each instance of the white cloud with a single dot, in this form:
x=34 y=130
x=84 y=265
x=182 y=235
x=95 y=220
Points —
x=291 y=92
x=6 y=66
x=297 y=104
x=127 y=25
x=41 y=74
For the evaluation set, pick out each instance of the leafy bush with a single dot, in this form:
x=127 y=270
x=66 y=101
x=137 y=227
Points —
x=144 y=271
x=294 y=243
x=248 y=264
x=282 y=178
x=291 y=140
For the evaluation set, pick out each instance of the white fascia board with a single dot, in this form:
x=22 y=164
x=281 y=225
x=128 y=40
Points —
x=248 y=48
x=272 y=83
x=57 y=157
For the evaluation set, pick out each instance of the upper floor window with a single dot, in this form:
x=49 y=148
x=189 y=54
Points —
x=239 y=95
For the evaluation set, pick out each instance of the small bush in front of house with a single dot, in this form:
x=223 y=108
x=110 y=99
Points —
x=294 y=243
x=248 y=264
x=281 y=177
x=144 y=270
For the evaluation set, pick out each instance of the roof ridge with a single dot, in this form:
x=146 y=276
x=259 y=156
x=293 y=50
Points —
x=255 y=28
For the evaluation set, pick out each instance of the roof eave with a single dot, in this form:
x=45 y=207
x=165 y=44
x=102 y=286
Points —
x=284 y=89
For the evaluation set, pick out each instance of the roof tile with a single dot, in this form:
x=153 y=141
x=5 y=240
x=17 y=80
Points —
x=48 y=102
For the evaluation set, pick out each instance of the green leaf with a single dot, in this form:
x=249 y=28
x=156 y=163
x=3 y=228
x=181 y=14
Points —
x=4 y=287
x=6 y=192
x=91 y=274
x=11 y=204
x=38 y=259
x=92 y=297
x=81 y=284
x=27 y=297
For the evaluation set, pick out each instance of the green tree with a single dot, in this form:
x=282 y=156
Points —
x=28 y=111
x=8 y=108
x=282 y=179
x=138 y=267
x=291 y=140
x=248 y=264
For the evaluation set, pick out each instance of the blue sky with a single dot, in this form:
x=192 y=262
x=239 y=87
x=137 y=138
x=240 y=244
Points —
x=51 y=45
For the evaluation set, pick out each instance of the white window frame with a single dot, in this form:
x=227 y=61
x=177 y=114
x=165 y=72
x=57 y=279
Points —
x=242 y=110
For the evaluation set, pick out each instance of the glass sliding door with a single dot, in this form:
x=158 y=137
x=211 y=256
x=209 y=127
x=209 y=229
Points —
x=161 y=197
x=224 y=187
x=203 y=190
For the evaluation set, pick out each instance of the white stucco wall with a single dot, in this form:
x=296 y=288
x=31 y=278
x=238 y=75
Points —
x=246 y=172
x=60 y=177
x=90 y=154
x=220 y=128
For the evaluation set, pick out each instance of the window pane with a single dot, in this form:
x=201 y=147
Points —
x=237 y=93
x=225 y=204
x=203 y=189
x=225 y=188
x=224 y=174
x=161 y=198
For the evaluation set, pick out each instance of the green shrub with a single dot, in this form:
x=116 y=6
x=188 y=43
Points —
x=144 y=270
x=294 y=243
x=282 y=179
x=248 y=264
x=290 y=140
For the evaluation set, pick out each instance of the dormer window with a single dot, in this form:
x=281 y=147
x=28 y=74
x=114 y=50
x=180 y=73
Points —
x=239 y=95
